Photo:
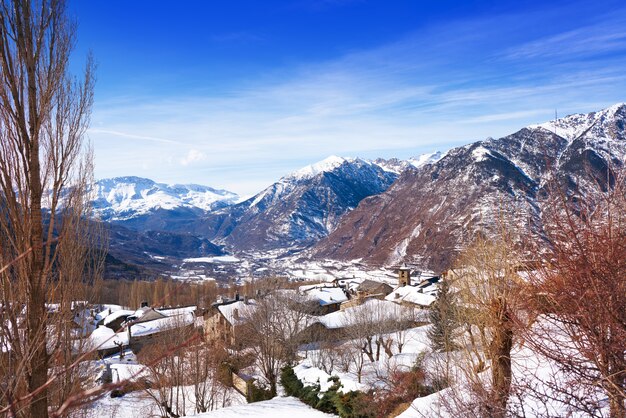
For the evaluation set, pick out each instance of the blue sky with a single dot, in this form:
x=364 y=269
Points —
x=236 y=94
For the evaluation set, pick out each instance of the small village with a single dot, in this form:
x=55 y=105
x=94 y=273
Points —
x=325 y=312
x=312 y=209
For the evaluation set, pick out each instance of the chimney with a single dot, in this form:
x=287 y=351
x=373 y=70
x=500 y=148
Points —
x=144 y=304
x=236 y=314
x=237 y=296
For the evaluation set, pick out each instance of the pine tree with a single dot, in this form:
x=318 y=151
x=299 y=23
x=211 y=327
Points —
x=444 y=320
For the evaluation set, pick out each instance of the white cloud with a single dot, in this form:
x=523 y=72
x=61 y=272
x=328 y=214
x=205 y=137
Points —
x=193 y=156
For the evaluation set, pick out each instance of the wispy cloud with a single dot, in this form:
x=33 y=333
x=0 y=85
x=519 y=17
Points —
x=441 y=87
x=131 y=136
x=609 y=36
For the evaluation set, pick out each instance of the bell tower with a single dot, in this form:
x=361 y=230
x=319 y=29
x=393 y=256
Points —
x=404 y=276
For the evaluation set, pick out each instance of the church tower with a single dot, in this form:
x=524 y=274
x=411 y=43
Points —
x=404 y=276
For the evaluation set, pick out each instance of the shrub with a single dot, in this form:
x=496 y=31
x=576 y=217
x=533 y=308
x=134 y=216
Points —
x=355 y=404
x=293 y=386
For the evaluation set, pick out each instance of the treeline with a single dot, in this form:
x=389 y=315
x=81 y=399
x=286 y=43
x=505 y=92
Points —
x=160 y=292
x=169 y=292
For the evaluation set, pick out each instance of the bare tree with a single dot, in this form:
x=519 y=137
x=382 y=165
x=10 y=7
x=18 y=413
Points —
x=168 y=367
x=580 y=292
x=489 y=291
x=273 y=326
x=204 y=360
x=43 y=118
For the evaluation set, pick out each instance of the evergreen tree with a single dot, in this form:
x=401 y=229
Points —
x=444 y=319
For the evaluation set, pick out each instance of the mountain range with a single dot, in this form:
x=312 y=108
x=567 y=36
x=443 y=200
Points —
x=431 y=212
x=384 y=212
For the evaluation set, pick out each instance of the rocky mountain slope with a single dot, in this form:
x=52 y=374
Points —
x=430 y=212
x=301 y=207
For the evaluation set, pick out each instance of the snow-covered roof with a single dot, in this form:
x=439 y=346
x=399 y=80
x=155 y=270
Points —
x=325 y=295
x=163 y=324
x=107 y=310
x=244 y=310
x=103 y=338
x=371 y=310
x=410 y=294
x=177 y=311
x=116 y=315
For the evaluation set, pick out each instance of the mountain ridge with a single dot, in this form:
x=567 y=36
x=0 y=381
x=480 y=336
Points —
x=426 y=216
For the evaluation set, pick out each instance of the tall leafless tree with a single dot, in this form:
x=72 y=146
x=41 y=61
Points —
x=580 y=291
x=43 y=180
x=272 y=329
x=489 y=291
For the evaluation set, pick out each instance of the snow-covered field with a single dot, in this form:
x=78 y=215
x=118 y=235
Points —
x=279 y=407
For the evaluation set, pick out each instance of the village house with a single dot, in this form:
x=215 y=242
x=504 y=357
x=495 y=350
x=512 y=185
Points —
x=136 y=329
x=336 y=326
x=420 y=295
x=326 y=297
x=225 y=320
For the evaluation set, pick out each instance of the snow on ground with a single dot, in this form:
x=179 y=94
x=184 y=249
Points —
x=217 y=259
x=139 y=403
x=534 y=390
x=131 y=405
x=279 y=407
x=415 y=342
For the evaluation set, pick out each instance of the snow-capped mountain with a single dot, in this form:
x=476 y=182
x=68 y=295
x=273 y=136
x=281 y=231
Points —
x=128 y=198
x=598 y=125
x=431 y=211
x=301 y=207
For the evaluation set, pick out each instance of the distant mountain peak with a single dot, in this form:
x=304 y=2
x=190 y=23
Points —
x=312 y=170
x=122 y=198
x=430 y=158
x=598 y=124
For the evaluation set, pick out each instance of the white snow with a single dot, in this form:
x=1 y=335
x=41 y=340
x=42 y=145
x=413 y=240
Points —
x=325 y=165
x=104 y=338
x=159 y=325
x=218 y=259
x=325 y=295
x=117 y=314
x=572 y=126
x=424 y=159
x=278 y=407
x=127 y=197
x=371 y=310
x=237 y=312
x=410 y=294
x=480 y=153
